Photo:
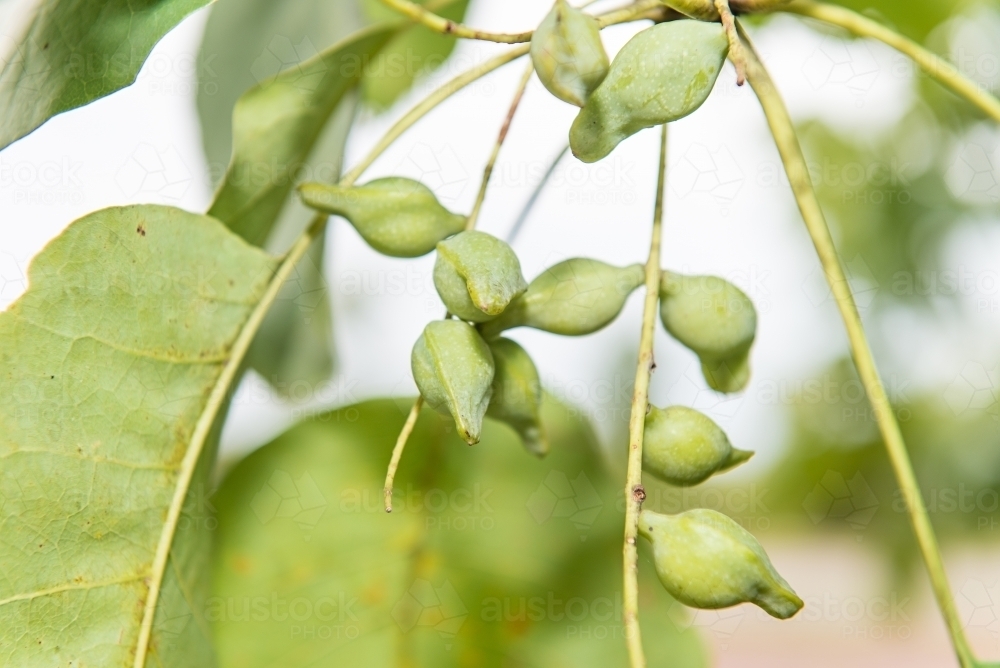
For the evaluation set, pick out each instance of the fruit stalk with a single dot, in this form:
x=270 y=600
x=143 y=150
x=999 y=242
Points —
x=397 y=451
x=418 y=112
x=488 y=170
x=798 y=176
x=642 y=9
x=634 y=492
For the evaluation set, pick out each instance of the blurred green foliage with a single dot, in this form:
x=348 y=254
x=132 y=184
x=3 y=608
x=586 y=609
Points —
x=491 y=557
x=894 y=199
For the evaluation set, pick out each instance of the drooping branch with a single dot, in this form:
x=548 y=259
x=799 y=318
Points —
x=642 y=9
x=798 y=176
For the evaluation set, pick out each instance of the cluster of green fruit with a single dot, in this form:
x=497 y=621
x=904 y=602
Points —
x=465 y=368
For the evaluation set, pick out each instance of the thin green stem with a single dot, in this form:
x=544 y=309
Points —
x=530 y=204
x=488 y=171
x=634 y=492
x=394 y=133
x=397 y=451
x=798 y=176
x=449 y=27
x=736 y=55
x=937 y=68
x=642 y=9
x=429 y=103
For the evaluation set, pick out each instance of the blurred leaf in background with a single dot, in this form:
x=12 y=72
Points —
x=245 y=43
x=895 y=199
x=414 y=51
x=490 y=557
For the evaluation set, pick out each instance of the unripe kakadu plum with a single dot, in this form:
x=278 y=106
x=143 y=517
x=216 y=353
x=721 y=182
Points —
x=477 y=275
x=396 y=216
x=453 y=369
x=574 y=297
x=568 y=54
x=716 y=320
x=662 y=74
x=684 y=447
x=706 y=560
x=517 y=394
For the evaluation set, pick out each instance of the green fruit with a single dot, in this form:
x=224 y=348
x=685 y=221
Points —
x=453 y=368
x=396 y=216
x=716 y=320
x=568 y=54
x=477 y=275
x=706 y=560
x=684 y=447
x=573 y=298
x=517 y=394
x=662 y=74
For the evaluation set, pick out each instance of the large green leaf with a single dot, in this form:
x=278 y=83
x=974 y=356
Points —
x=76 y=51
x=491 y=557
x=108 y=364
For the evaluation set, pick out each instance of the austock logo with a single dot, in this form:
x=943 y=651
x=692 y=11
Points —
x=559 y=497
x=835 y=498
x=151 y=170
x=283 y=497
x=722 y=624
x=860 y=280
x=424 y=605
x=281 y=55
x=977 y=602
x=439 y=169
x=974 y=389
x=702 y=170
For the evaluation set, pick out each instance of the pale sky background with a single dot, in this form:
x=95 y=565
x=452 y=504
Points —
x=726 y=214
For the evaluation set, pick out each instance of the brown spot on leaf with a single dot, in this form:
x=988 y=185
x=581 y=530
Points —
x=141 y=229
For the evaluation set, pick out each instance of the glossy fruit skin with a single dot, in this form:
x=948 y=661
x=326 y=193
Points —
x=568 y=55
x=517 y=394
x=716 y=320
x=453 y=368
x=706 y=560
x=574 y=297
x=662 y=74
x=477 y=275
x=397 y=216
x=684 y=447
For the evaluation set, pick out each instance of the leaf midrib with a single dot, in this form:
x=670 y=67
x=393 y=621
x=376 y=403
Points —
x=203 y=427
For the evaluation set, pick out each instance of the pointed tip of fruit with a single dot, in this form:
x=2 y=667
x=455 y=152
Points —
x=535 y=442
x=779 y=602
x=468 y=435
x=727 y=376
x=736 y=457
